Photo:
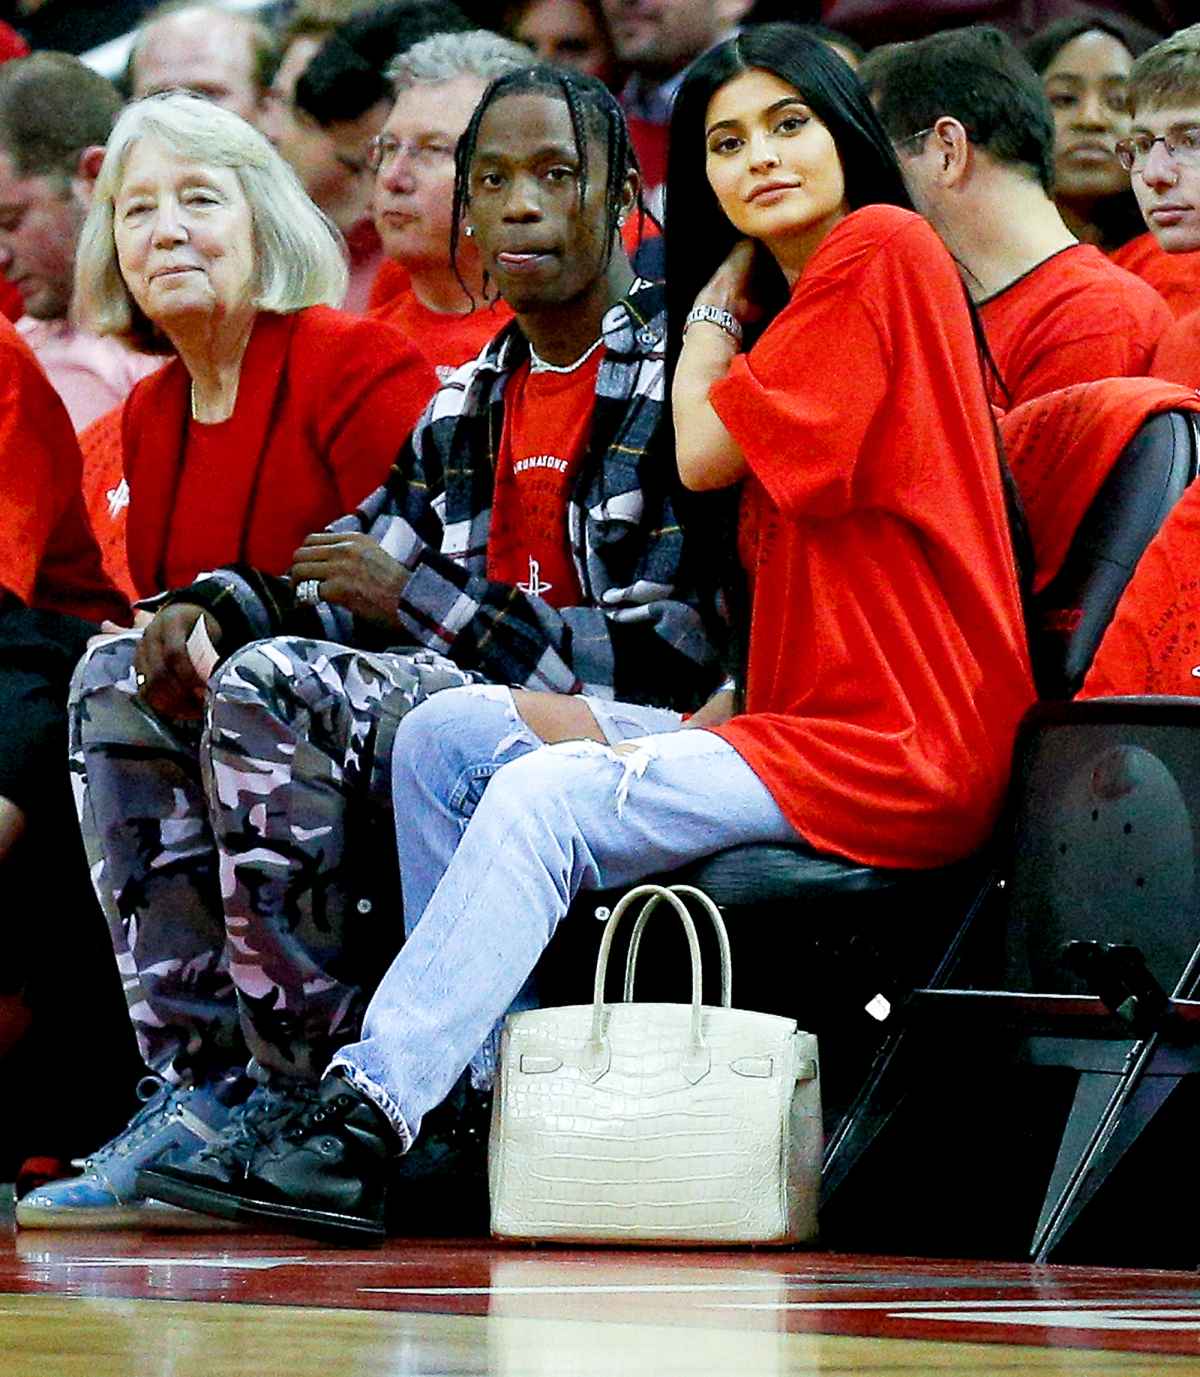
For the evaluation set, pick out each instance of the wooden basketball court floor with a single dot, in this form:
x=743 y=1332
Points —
x=235 y=1304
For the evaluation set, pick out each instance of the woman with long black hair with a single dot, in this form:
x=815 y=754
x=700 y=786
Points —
x=887 y=668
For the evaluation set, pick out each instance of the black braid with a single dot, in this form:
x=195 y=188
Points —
x=590 y=104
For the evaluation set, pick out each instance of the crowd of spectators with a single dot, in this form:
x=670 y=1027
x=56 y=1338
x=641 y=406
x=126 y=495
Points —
x=428 y=493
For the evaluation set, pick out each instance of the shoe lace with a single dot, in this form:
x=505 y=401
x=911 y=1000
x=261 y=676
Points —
x=157 y=1096
x=255 y=1122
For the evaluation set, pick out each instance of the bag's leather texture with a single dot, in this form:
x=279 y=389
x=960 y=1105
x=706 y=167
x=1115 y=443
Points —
x=656 y=1124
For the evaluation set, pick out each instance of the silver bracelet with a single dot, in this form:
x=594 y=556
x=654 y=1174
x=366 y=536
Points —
x=714 y=315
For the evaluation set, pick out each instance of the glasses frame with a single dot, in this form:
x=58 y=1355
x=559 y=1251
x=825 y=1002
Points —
x=913 y=138
x=1126 y=149
x=384 y=149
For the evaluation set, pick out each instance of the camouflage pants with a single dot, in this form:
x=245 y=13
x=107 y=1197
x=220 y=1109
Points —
x=245 y=863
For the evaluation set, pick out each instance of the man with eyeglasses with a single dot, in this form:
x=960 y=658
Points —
x=1162 y=154
x=449 y=311
x=975 y=138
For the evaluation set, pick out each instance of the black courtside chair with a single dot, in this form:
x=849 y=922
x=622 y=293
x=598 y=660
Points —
x=1096 y=917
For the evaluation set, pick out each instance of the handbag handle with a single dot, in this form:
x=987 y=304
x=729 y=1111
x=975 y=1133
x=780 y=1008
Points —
x=698 y=1061
x=714 y=913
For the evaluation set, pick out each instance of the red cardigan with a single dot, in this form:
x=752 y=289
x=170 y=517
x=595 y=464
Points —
x=325 y=402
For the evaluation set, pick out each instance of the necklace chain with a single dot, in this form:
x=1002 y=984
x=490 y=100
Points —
x=537 y=364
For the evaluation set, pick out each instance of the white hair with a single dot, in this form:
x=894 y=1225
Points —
x=300 y=259
x=479 y=53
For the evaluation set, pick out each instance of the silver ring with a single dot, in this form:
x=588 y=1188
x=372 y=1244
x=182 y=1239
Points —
x=308 y=591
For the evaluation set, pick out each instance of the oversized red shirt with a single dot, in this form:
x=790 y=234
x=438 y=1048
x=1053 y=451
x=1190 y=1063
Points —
x=887 y=664
x=446 y=340
x=1074 y=317
x=49 y=558
x=547 y=422
x=1174 y=276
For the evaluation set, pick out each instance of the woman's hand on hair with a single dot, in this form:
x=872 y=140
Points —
x=353 y=571
x=729 y=287
x=167 y=677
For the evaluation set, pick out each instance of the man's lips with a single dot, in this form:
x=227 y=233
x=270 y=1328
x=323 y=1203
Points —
x=515 y=260
x=1168 y=213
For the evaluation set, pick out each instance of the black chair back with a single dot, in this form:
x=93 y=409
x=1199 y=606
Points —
x=1072 y=613
x=1107 y=837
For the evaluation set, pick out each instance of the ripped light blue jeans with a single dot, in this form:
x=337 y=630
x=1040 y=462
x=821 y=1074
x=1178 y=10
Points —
x=496 y=834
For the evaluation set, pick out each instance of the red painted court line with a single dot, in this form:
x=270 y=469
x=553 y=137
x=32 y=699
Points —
x=906 y=1298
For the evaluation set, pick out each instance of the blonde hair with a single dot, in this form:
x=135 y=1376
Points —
x=300 y=259
x=1168 y=74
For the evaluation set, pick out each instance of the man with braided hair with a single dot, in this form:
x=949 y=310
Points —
x=528 y=536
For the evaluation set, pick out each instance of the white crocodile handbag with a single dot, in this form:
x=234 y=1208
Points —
x=642 y=1123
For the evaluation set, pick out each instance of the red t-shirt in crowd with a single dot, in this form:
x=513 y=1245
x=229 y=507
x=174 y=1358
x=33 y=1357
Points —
x=1174 y=276
x=1061 y=448
x=1152 y=644
x=1073 y=318
x=390 y=282
x=547 y=422
x=887 y=666
x=49 y=558
x=1177 y=358
x=446 y=340
x=106 y=494
x=12 y=303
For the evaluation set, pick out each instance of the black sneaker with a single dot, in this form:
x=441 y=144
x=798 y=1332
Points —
x=317 y=1167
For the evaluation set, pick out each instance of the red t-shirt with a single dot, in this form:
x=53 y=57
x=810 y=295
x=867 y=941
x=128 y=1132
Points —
x=12 y=303
x=1152 y=644
x=202 y=518
x=887 y=667
x=390 y=282
x=1177 y=358
x=446 y=340
x=547 y=421
x=1073 y=318
x=1174 y=276
x=106 y=494
x=48 y=555
x=649 y=139
x=1062 y=447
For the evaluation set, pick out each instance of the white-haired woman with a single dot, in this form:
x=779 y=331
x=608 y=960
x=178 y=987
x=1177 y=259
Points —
x=276 y=415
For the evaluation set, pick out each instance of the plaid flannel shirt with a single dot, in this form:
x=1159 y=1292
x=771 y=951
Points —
x=639 y=634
